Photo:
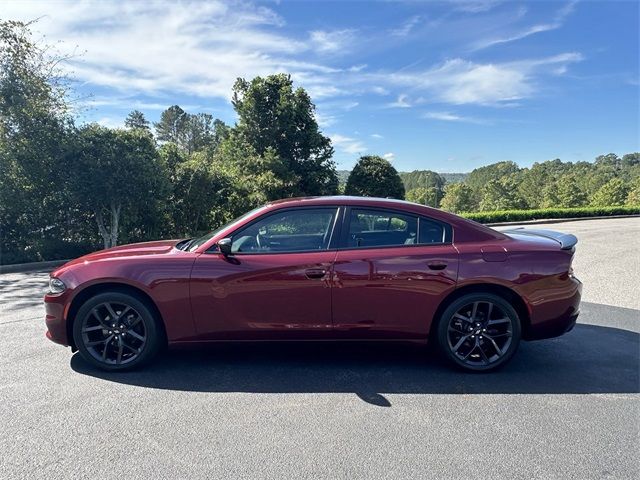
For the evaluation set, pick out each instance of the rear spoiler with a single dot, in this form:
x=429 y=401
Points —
x=566 y=240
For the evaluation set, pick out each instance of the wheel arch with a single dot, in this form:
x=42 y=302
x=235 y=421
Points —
x=85 y=294
x=507 y=293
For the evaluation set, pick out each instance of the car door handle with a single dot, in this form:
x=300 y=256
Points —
x=437 y=265
x=315 y=273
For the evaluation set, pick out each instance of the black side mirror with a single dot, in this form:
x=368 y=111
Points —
x=224 y=244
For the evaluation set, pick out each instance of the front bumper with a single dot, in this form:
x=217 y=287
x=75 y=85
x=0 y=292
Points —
x=56 y=310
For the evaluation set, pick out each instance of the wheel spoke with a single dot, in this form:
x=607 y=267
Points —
x=136 y=335
x=135 y=321
x=462 y=317
x=92 y=329
x=124 y=312
x=460 y=342
x=102 y=322
x=120 y=347
x=112 y=313
x=489 y=311
x=474 y=310
x=126 y=345
x=96 y=342
x=106 y=347
x=495 y=345
x=498 y=321
x=485 y=359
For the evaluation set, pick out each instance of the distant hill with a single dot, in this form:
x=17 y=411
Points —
x=406 y=176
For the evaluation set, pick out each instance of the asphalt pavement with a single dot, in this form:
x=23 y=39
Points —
x=563 y=408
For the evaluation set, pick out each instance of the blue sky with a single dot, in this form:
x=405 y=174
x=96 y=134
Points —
x=447 y=86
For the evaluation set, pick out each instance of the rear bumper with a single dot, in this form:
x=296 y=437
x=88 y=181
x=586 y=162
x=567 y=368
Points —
x=545 y=320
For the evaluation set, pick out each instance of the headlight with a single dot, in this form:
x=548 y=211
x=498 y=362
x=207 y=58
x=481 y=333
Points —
x=56 y=285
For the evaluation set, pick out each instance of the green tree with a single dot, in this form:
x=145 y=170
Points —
x=115 y=173
x=501 y=195
x=480 y=177
x=256 y=178
x=373 y=176
x=424 y=196
x=633 y=197
x=534 y=180
x=458 y=197
x=565 y=192
x=611 y=194
x=172 y=125
x=34 y=140
x=204 y=193
x=272 y=115
x=136 y=119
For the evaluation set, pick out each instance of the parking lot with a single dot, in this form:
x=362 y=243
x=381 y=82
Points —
x=563 y=408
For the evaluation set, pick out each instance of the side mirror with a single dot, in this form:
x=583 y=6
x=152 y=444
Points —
x=224 y=244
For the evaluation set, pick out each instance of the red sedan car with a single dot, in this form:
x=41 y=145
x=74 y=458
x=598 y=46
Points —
x=325 y=268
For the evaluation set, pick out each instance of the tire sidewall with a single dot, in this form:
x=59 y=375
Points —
x=443 y=324
x=153 y=338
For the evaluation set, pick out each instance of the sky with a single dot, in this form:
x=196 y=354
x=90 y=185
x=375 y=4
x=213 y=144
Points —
x=441 y=85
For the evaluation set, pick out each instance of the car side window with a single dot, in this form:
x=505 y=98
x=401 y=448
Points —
x=381 y=228
x=431 y=232
x=294 y=230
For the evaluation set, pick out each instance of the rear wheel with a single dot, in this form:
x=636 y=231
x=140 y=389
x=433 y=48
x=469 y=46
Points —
x=116 y=331
x=479 y=331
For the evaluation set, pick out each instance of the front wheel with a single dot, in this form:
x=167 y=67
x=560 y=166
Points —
x=479 y=331
x=116 y=331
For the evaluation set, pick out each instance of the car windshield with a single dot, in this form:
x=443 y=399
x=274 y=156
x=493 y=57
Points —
x=194 y=244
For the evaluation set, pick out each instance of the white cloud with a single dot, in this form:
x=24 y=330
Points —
x=198 y=49
x=406 y=27
x=348 y=145
x=401 y=102
x=389 y=156
x=452 y=117
x=334 y=41
x=459 y=81
x=557 y=22
x=377 y=136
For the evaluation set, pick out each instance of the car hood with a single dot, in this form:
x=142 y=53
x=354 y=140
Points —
x=161 y=247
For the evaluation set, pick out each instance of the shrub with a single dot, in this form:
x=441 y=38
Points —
x=549 y=213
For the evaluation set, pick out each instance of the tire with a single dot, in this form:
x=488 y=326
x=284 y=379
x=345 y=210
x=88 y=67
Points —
x=116 y=331
x=479 y=332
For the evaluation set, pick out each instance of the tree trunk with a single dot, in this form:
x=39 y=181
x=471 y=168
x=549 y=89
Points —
x=102 y=229
x=115 y=221
x=109 y=235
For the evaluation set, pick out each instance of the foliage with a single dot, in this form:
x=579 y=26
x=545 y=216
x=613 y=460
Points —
x=500 y=194
x=136 y=119
x=480 y=177
x=612 y=193
x=550 y=213
x=424 y=196
x=272 y=115
x=633 y=198
x=113 y=173
x=374 y=176
x=458 y=197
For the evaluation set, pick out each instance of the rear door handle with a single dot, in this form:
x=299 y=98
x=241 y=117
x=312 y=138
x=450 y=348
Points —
x=315 y=273
x=437 y=265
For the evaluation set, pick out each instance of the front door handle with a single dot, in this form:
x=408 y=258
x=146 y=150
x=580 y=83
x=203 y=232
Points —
x=437 y=265
x=315 y=273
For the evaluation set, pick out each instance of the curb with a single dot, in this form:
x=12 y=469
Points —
x=31 y=267
x=558 y=220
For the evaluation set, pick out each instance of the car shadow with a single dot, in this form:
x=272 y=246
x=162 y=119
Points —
x=590 y=359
